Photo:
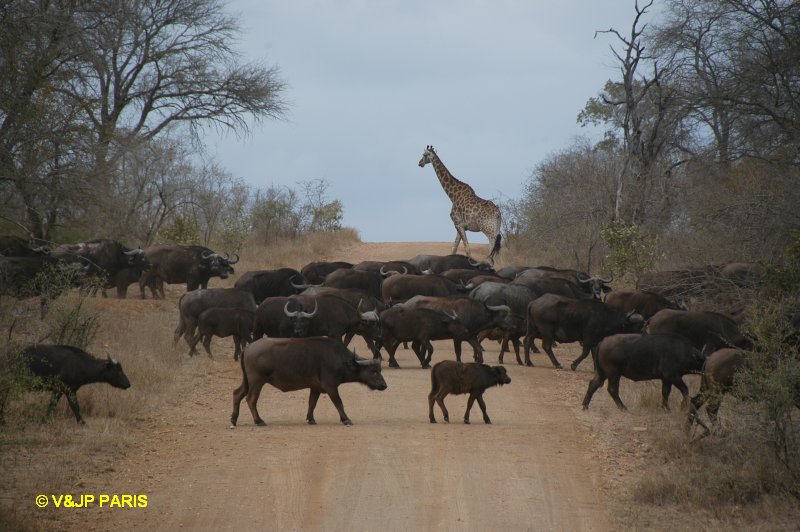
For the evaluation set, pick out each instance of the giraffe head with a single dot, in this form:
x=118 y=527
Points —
x=427 y=156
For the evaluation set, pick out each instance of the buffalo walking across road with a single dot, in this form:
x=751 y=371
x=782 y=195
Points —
x=451 y=377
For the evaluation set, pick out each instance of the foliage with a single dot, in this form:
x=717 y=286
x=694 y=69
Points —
x=629 y=251
x=181 y=230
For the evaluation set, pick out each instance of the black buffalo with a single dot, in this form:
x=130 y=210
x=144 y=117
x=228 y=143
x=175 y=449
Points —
x=517 y=298
x=449 y=377
x=315 y=272
x=369 y=282
x=192 y=304
x=559 y=319
x=117 y=265
x=399 y=288
x=14 y=246
x=224 y=322
x=420 y=326
x=645 y=302
x=289 y=364
x=270 y=283
x=63 y=369
x=273 y=319
x=193 y=265
x=705 y=329
x=719 y=369
x=439 y=264
x=387 y=268
x=641 y=357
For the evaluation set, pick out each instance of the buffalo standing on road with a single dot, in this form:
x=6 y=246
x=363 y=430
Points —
x=192 y=304
x=289 y=364
x=399 y=288
x=63 y=369
x=560 y=319
x=420 y=326
x=315 y=272
x=641 y=357
x=449 y=377
x=269 y=283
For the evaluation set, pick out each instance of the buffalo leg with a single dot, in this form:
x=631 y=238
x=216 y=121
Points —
x=207 y=344
x=457 y=349
x=482 y=404
x=430 y=405
x=72 y=399
x=440 y=401
x=666 y=388
x=584 y=354
x=54 y=398
x=419 y=350
x=428 y=350
x=391 y=348
x=237 y=347
x=595 y=384
x=252 y=403
x=313 y=397
x=238 y=394
x=547 y=345
x=470 y=401
x=613 y=390
x=477 y=350
x=515 y=343
x=337 y=402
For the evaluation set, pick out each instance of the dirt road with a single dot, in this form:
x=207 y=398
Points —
x=532 y=469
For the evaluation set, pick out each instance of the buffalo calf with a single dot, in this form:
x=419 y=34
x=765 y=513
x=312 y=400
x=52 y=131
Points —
x=223 y=322
x=63 y=369
x=450 y=377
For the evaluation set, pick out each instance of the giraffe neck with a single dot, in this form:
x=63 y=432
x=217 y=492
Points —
x=450 y=184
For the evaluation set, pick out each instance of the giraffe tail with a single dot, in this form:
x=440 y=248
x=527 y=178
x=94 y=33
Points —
x=496 y=247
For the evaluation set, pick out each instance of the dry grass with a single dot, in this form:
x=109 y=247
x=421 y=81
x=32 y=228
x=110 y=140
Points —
x=53 y=457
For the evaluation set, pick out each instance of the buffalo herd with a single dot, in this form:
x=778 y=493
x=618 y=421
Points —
x=291 y=328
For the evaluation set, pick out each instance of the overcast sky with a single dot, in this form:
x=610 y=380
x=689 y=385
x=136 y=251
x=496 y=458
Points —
x=494 y=85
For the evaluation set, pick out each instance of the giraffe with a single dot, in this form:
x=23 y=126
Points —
x=469 y=212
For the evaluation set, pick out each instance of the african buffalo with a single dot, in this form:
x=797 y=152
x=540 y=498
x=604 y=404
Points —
x=269 y=283
x=705 y=329
x=474 y=315
x=517 y=298
x=641 y=357
x=224 y=322
x=192 y=304
x=450 y=377
x=387 y=268
x=559 y=319
x=420 y=326
x=315 y=272
x=369 y=282
x=719 y=369
x=439 y=264
x=644 y=302
x=117 y=265
x=193 y=265
x=63 y=369
x=399 y=288
x=289 y=364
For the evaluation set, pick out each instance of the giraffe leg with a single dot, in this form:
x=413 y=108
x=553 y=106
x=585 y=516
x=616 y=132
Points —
x=457 y=241
x=466 y=243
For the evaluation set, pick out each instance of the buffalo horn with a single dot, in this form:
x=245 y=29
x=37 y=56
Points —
x=496 y=308
x=290 y=314
x=606 y=281
x=364 y=361
x=207 y=254
x=233 y=261
x=312 y=313
x=584 y=281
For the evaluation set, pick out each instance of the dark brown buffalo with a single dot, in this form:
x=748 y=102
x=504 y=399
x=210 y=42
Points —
x=270 y=283
x=474 y=315
x=14 y=246
x=271 y=319
x=450 y=377
x=63 y=369
x=399 y=288
x=517 y=298
x=641 y=357
x=315 y=272
x=644 y=302
x=387 y=268
x=463 y=276
x=511 y=272
x=420 y=326
x=559 y=319
x=192 y=304
x=333 y=316
x=289 y=364
x=551 y=285
x=193 y=265
x=369 y=282
x=437 y=264
x=719 y=369
x=705 y=330
x=118 y=265
x=224 y=322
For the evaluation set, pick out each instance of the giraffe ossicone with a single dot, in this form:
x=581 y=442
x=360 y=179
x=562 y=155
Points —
x=469 y=212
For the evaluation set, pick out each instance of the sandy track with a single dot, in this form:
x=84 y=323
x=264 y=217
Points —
x=532 y=469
